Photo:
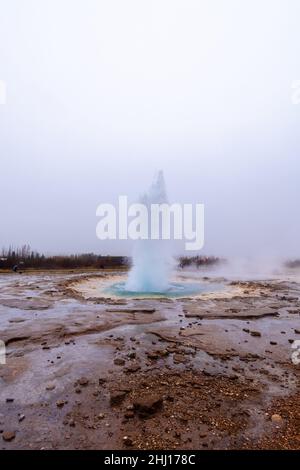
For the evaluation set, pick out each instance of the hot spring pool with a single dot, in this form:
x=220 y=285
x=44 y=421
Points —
x=175 y=290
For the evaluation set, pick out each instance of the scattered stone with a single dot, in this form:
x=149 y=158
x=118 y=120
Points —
x=8 y=436
x=233 y=377
x=255 y=333
x=132 y=369
x=60 y=403
x=83 y=381
x=50 y=386
x=162 y=352
x=148 y=405
x=127 y=441
x=9 y=400
x=117 y=397
x=179 y=359
x=21 y=418
x=119 y=361
x=276 y=419
x=152 y=355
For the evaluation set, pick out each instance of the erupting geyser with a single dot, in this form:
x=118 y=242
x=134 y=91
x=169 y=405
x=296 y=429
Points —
x=152 y=260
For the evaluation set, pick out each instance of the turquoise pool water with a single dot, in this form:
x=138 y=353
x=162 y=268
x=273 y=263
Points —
x=175 y=290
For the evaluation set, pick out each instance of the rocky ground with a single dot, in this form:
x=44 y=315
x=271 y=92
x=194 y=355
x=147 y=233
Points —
x=88 y=372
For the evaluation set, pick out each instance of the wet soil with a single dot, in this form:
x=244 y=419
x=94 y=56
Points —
x=90 y=372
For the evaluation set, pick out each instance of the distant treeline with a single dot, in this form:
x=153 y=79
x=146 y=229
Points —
x=293 y=264
x=199 y=261
x=22 y=258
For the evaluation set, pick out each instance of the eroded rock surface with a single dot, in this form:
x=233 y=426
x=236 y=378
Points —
x=92 y=372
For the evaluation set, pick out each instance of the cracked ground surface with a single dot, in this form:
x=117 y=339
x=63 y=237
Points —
x=91 y=372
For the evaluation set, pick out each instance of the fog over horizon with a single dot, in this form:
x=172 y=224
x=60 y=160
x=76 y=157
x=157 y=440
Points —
x=101 y=95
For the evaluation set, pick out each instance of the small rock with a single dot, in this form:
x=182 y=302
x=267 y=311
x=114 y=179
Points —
x=132 y=355
x=50 y=387
x=233 y=377
x=8 y=435
x=255 y=333
x=132 y=369
x=152 y=355
x=83 y=381
x=117 y=397
x=119 y=361
x=127 y=441
x=148 y=405
x=276 y=419
x=21 y=418
x=179 y=359
x=60 y=403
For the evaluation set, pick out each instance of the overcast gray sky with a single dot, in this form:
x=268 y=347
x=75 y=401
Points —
x=101 y=94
